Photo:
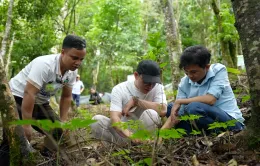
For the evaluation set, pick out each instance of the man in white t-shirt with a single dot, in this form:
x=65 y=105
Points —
x=33 y=86
x=142 y=99
x=77 y=89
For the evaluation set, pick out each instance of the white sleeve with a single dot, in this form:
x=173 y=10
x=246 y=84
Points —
x=82 y=84
x=160 y=96
x=72 y=80
x=116 y=100
x=39 y=73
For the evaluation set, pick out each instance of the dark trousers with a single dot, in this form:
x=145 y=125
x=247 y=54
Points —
x=76 y=99
x=40 y=112
x=210 y=114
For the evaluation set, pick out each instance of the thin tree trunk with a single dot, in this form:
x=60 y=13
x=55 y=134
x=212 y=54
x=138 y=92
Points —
x=20 y=149
x=7 y=31
x=233 y=53
x=248 y=26
x=173 y=41
x=95 y=75
x=8 y=61
x=226 y=58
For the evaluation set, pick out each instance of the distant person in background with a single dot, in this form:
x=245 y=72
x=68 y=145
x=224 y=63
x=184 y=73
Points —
x=95 y=98
x=78 y=88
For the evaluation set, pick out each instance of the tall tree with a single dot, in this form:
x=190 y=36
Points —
x=248 y=26
x=18 y=145
x=173 y=40
x=7 y=31
x=226 y=34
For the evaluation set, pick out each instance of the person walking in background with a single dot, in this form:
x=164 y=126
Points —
x=95 y=98
x=77 y=89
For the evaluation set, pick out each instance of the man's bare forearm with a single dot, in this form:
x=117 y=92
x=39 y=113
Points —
x=65 y=103
x=207 y=99
x=27 y=105
x=115 y=118
x=158 y=107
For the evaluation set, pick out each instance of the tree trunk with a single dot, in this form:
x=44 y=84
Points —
x=233 y=52
x=20 y=149
x=7 y=31
x=17 y=147
x=95 y=75
x=247 y=14
x=226 y=58
x=173 y=41
x=8 y=60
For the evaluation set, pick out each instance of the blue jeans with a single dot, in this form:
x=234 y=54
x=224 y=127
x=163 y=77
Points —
x=210 y=115
x=76 y=99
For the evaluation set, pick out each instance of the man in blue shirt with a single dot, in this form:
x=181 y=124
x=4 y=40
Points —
x=205 y=91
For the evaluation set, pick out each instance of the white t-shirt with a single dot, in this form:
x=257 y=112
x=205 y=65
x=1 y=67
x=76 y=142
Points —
x=44 y=73
x=76 y=87
x=124 y=91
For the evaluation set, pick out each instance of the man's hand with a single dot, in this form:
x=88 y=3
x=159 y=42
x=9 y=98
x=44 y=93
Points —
x=128 y=106
x=28 y=132
x=174 y=111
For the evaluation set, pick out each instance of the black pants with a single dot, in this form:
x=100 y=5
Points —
x=40 y=112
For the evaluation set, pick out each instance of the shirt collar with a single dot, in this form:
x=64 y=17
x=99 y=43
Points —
x=210 y=74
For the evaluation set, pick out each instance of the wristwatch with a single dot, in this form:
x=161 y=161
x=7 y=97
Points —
x=136 y=99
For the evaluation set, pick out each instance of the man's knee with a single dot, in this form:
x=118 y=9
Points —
x=194 y=108
x=99 y=117
x=101 y=122
x=150 y=119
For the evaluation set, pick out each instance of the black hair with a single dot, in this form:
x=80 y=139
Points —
x=73 y=41
x=195 y=55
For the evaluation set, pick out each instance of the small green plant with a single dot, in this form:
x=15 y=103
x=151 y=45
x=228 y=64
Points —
x=195 y=132
x=146 y=161
x=131 y=124
x=49 y=125
x=142 y=135
x=224 y=125
x=190 y=117
x=172 y=133
x=123 y=153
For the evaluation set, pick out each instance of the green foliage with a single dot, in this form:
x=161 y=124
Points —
x=195 y=132
x=170 y=95
x=224 y=125
x=195 y=30
x=233 y=71
x=157 y=49
x=190 y=117
x=49 y=125
x=172 y=133
x=123 y=153
x=33 y=10
x=142 y=135
x=229 y=30
x=245 y=98
x=131 y=124
x=146 y=161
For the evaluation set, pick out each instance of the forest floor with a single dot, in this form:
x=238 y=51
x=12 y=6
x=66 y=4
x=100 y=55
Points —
x=224 y=149
x=80 y=149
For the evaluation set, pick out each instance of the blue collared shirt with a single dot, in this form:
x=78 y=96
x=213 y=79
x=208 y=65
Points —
x=217 y=84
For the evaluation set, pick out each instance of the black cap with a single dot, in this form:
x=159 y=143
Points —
x=150 y=71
